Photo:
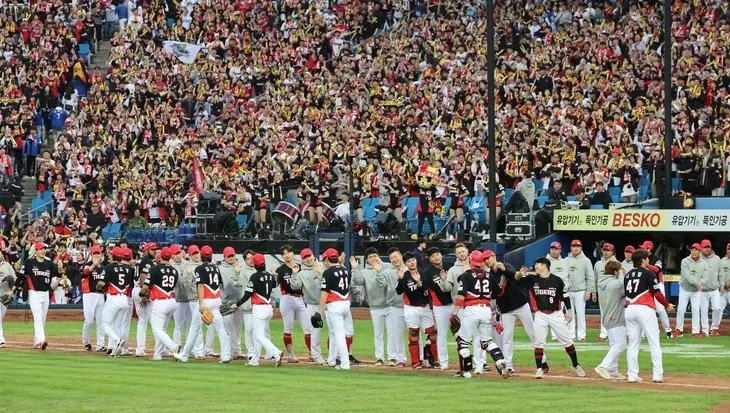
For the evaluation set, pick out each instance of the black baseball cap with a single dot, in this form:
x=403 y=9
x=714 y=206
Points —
x=432 y=250
x=543 y=260
x=408 y=255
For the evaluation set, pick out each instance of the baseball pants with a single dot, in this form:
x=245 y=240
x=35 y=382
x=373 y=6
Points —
x=508 y=323
x=578 y=300
x=316 y=343
x=38 y=302
x=604 y=332
x=441 y=315
x=182 y=318
x=261 y=315
x=3 y=310
x=688 y=297
x=480 y=356
x=642 y=319
x=555 y=321
x=292 y=308
x=125 y=322
x=337 y=314
x=379 y=317
x=195 y=331
x=711 y=297
x=93 y=308
x=476 y=319
x=143 y=318
x=617 y=345
x=396 y=323
x=161 y=313
x=114 y=310
x=571 y=326
x=248 y=333
x=233 y=324
x=662 y=312
x=725 y=299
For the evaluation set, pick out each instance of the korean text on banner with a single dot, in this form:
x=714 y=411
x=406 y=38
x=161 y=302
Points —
x=609 y=220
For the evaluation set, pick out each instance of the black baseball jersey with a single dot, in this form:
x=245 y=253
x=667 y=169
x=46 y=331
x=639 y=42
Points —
x=145 y=265
x=92 y=275
x=336 y=283
x=547 y=293
x=478 y=286
x=209 y=276
x=413 y=295
x=259 y=288
x=640 y=285
x=431 y=279
x=162 y=280
x=513 y=294
x=283 y=277
x=37 y=274
x=118 y=277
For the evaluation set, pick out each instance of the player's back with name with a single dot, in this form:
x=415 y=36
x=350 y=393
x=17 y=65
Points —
x=260 y=286
x=547 y=293
x=118 y=278
x=478 y=287
x=336 y=282
x=639 y=286
x=209 y=276
x=38 y=273
x=162 y=280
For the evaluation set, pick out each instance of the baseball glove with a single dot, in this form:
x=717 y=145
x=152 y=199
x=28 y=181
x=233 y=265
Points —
x=317 y=320
x=228 y=308
x=206 y=316
x=6 y=299
x=454 y=324
x=100 y=286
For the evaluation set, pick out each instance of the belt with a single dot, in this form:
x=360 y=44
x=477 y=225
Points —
x=116 y=293
x=546 y=312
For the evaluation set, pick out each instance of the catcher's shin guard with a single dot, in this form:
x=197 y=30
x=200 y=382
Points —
x=432 y=335
x=413 y=334
x=466 y=364
x=493 y=350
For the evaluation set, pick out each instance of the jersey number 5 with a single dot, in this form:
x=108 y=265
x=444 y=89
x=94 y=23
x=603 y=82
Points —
x=632 y=288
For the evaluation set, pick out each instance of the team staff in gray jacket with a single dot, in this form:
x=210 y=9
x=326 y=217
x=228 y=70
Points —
x=711 y=290
x=375 y=294
x=7 y=280
x=233 y=286
x=582 y=288
x=725 y=264
x=607 y=250
x=613 y=301
x=186 y=295
x=396 y=321
x=309 y=280
x=694 y=275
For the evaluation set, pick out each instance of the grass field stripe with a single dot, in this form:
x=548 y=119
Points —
x=590 y=379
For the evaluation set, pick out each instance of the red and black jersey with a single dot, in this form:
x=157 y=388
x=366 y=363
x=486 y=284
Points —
x=641 y=286
x=547 y=293
x=478 y=287
x=92 y=274
x=118 y=277
x=36 y=274
x=413 y=295
x=336 y=283
x=431 y=279
x=144 y=267
x=161 y=281
x=209 y=276
x=259 y=288
x=283 y=277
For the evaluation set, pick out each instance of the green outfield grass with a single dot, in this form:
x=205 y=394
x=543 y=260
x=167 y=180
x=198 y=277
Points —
x=37 y=381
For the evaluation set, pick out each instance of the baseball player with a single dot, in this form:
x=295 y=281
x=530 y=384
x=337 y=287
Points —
x=258 y=290
x=115 y=284
x=247 y=271
x=641 y=288
x=476 y=289
x=335 y=298
x=208 y=283
x=655 y=265
x=417 y=313
x=557 y=267
x=151 y=253
x=443 y=306
x=512 y=305
x=395 y=321
x=159 y=291
x=611 y=294
x=581 y=287
x=349 y=325
x=126 y=317
x=291 y=303
x=711 y=290
x=93 y=300
x=547 y=290
x=7 y=280
x=607 y=250
x=35 y=277
x=233 y=285
x=201 y=350
x=186 y=295
x=627 y=265
x=375 y=295
x=725 y=295
x=695 y=273
x=309 y=280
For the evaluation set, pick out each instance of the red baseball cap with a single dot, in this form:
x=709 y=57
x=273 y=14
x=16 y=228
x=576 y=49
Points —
x=306 y=253
x=476 y=258
x=165 y=253
x=206 y=251
x=556 y=244
x=175 y=249
x=193 y=249
x=488 y=254
x=229 y=252
x=330 y=254
x=647 y=245
x=151 y=246
x=96 y=249
x=727 y=247
x=576 y=243
x=127 y=253
x=629 y=248
x=608 y=247
x=258 y=260
x=696 y=246
x=706 y=243
x=117 y=252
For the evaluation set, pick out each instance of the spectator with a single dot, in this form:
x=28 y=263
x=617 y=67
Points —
x=600 y=196
x=582 y=199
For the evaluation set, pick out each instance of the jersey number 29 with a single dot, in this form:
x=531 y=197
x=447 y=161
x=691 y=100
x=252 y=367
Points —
x=168 y=281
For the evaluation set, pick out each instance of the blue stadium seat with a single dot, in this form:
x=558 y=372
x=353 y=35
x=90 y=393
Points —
x=597 y=207
x=615 y=193
x=541 y=200
x=507 y=195
x=676 y=184
x=84 y=50
x=241 y=221
x=571 y=197
x=643 y=192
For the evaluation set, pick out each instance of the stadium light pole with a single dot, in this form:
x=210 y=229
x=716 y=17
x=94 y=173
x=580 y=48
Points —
x=492 y=196
x=667 y=72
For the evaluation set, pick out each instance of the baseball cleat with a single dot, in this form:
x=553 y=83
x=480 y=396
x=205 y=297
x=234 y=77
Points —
x=125 y=353
x=109 y=351
x=278 y=359
x=292 y=360
x=44 y=345
x=118 y=349
x=715 y=332
x=224 y=361
x=444 y=366
x=38 y=346
x=418 y=366
x=617 y=376
x=463 y=374
x=599 y=338
x=88 y=347
x=101 y=350
x=378 y=363
x=501 y=366
x=401 y=364
x=2 y=345
x=697 y=335
x=140 y=354
x=486 y=367
x=391 y=363
x=578 y=370
x=214 y=354
x=354 y=361
x=319 y=360
x=511 y=372
x=342 y=368
x=669 y=334
x=658 y=380
x=199 y=357
x=250 y=364
x=156 y=359
x=538 y=373
x=179 y=357
x=677 y=334
x=635 y=380
x=603 y=372
x=582 y=340
x=545 y=367
x=478 y=370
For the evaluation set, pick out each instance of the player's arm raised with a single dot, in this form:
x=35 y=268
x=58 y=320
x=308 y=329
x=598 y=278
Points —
x=522 y=273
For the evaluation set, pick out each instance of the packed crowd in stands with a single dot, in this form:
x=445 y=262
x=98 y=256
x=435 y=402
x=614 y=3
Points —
x=287 y=98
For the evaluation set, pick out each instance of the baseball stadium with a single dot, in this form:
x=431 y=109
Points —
x=297 y=205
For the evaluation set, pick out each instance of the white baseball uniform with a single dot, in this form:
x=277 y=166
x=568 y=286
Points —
x=693 y=272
